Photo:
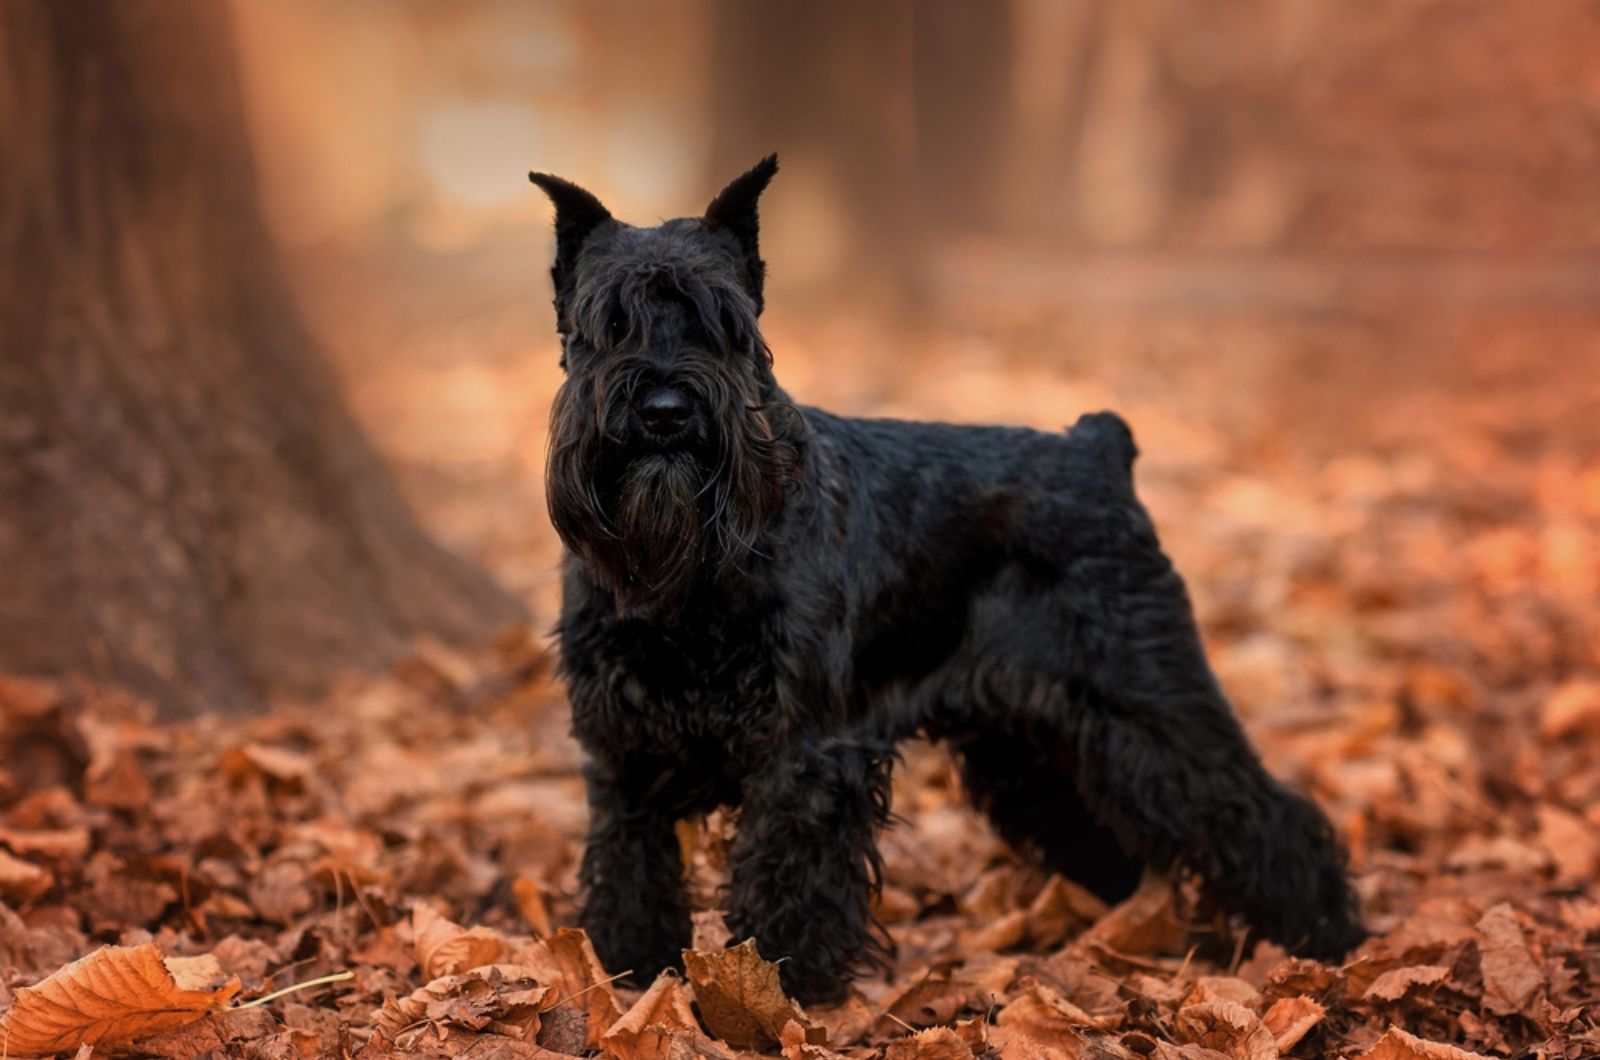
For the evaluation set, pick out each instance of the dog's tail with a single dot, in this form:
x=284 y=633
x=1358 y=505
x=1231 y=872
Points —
x=1108 y=434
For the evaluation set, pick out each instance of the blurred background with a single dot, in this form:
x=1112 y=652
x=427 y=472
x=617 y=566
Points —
x=277 y=355
x=278 y=351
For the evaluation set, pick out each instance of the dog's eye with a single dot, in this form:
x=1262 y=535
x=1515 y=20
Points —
x=616 y=325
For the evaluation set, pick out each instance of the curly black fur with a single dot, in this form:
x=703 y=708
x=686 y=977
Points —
x=761 y=606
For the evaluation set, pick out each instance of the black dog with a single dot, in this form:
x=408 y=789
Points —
x=762 y=599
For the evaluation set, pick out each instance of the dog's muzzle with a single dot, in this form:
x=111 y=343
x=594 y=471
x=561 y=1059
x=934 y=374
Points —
x=664 y=412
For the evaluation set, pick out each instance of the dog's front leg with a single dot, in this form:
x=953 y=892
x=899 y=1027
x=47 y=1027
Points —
x=634 y=906
x=805 y=866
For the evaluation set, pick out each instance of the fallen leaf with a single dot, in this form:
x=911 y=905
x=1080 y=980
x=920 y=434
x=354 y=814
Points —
x=1004 y=932
x=282 y=891
x=660 y=1011
x=1061 y=908
x=1572 y=708
x=497 y=994
x=1186 y=1051
x=930 y=998
x=1042 y=1024
x=1572 y=843
x=224 y=1033
x=1145 y=922
x=445 y=948
x=935 y=1043
x=1291 y=1018
x=22 y=881
x=1511 y=978
x=1220 y=988
x=531 y=904
x=797 y=1046
x=846 y=1022
x=276 y=763
x=1227 y=1027
x=1397 y=983
x=564 y=1028
x=1400 y=1045
x=113 y=996
x=566 y=962
x=29 y=697
x=57 y=844
x=740 y=995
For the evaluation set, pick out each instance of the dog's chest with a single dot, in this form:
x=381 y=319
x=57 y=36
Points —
x=702 y=691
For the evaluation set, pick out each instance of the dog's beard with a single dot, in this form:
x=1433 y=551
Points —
x=660 y=526
x=648 y=526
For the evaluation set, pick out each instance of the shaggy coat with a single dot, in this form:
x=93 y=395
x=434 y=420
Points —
x=762 y=600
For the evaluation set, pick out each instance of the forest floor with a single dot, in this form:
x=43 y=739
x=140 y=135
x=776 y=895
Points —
x=1406 y=621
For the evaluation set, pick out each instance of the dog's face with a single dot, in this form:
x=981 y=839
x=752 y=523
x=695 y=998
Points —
x=671 y=445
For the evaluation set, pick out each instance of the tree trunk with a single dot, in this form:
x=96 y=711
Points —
x=827 y=86
x=187 y=507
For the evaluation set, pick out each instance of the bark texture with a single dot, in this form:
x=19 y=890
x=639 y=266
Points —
x=185 y=505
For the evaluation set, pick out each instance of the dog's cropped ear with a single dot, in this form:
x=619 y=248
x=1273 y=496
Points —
x=578 y=213
x=734 y=211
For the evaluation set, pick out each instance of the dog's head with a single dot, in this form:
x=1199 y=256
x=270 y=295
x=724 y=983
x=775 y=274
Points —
x=671 y=445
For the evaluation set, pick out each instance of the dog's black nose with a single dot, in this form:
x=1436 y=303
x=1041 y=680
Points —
x=665 y=410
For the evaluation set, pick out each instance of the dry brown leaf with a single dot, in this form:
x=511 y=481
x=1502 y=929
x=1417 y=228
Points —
x=846 y=1022
x=282 y=892
x=1572 y=843
x=29 y=697
x=1186 y=1051
x=1004 y=932
x=740 y=995
x=975 y=1032
x=1572 y=708
x=1291 y=1019
x=1042 y=1024
x=564 y=1028
x=1497 y=852
x=797 y=1045
x=504 y=994
x=1061 y=909
x=113 y=996
x=531 y=904
x=16 y=944
x=1009 y=1043
x=935 y=1043
x=229 y=1032
x=566 y=962
x=1227 y=1027
x=56 y=844
x=1512 y=980
x=276 y=763
x=22 y=881
x=445 y=948
x=660 y=1012
x=117 y=781
x=1145 y=922
x=1220 y=988
x=928 y=999
x=1399 y=1045
x=1298 y=975
x=1397 y=983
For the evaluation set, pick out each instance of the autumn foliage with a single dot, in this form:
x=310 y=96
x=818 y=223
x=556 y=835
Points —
x=420 y=831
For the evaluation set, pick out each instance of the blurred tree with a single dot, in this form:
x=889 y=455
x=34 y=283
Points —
x=898 y=114
x=188 y=507
x=962 y=86
x=827 y=86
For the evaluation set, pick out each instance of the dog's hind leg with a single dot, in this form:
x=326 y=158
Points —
x=1162 y=760
x=1020 y=776
x=804 y=862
